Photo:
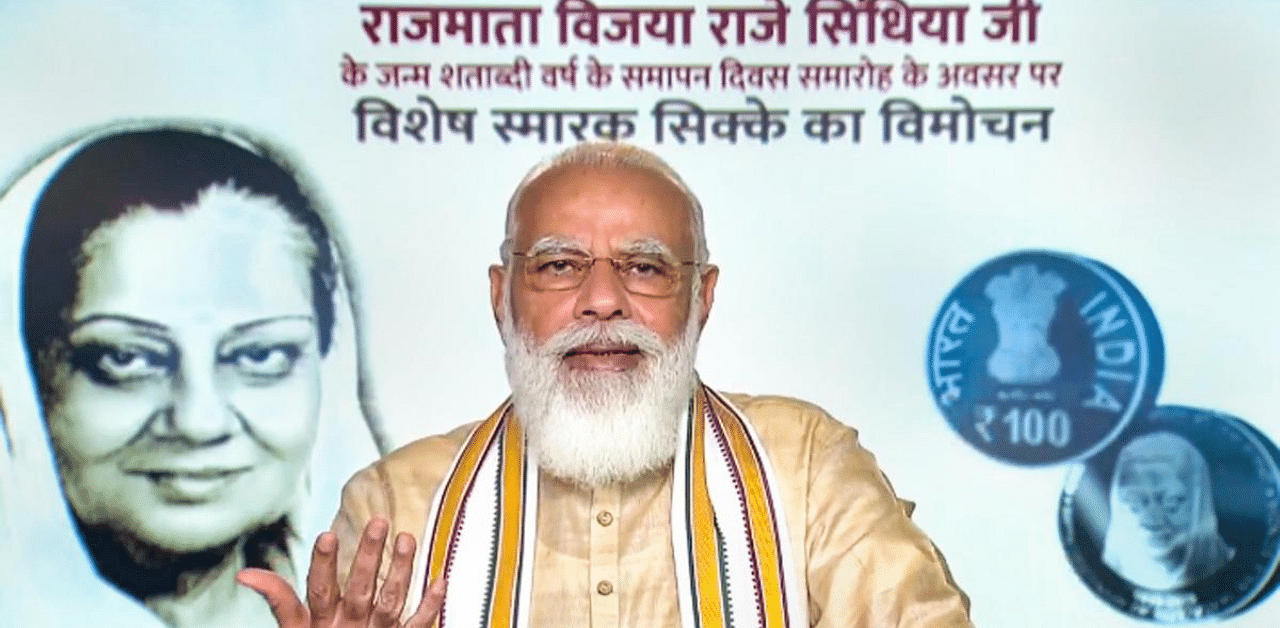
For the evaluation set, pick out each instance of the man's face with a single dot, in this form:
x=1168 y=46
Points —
x=602 y=212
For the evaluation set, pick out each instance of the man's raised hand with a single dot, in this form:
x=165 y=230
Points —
x=361 y=605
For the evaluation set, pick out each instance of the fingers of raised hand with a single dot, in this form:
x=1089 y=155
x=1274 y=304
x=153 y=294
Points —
x=284 y=603
x=386 y=611
x=356 y=605
x=430 y=607
x=322 y=580
x=357 y=601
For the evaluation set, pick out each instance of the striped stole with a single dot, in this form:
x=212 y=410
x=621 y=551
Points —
x=729 y=535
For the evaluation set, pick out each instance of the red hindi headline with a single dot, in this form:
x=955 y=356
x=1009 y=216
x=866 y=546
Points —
x=836 y=22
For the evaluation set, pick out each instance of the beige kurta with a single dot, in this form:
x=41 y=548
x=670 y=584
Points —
x=604 y=556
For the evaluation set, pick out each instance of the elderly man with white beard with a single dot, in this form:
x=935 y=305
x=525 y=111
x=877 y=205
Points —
x=613 y=488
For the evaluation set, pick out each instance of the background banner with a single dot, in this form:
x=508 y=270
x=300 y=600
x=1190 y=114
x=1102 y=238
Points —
x=990 y=235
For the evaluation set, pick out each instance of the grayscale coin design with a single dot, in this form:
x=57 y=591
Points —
x=1178 y=520
x=1274 y=581
x=1039 y=358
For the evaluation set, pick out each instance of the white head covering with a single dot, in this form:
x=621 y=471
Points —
x=47 y=576
x=1201 y=550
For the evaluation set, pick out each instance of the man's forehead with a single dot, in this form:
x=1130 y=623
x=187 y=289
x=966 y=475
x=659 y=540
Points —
x=623 y=205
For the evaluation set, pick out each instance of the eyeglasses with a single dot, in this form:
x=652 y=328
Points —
x=643 y=274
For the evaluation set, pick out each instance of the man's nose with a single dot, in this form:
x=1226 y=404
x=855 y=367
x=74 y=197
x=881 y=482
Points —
x=602 y=295
x=200 y=412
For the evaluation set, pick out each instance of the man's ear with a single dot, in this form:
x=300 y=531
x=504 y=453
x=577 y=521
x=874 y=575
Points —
x=708 y=294
x=497 y=284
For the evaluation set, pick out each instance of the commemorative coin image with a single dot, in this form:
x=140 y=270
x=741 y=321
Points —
x=1274 y=581
x=1178 y=520
x=1039 y=357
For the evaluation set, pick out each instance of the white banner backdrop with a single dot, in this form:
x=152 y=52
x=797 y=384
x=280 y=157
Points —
x=1159 y=158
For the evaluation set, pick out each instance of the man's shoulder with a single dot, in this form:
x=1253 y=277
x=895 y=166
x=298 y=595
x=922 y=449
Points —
x=422 y=462
x=795 y=432
x=771 y=405
x=446 y=444
x=777 y=417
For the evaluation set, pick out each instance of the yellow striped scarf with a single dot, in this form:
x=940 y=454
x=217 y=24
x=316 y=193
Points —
x=729 y=535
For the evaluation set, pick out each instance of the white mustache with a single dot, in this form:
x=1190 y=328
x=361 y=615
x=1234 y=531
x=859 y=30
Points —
x=621 y=332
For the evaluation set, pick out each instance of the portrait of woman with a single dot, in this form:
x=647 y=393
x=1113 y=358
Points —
x=183 y=306
x=1163 y=532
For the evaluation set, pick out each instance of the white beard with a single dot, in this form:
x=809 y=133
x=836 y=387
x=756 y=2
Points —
x=594 y=428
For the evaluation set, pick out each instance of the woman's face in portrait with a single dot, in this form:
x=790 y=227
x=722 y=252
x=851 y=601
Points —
x=186 y=399
x=1159 y=498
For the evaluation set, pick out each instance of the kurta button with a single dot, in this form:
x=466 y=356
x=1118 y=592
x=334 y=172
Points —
x=604 y=588
x=604 y=518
